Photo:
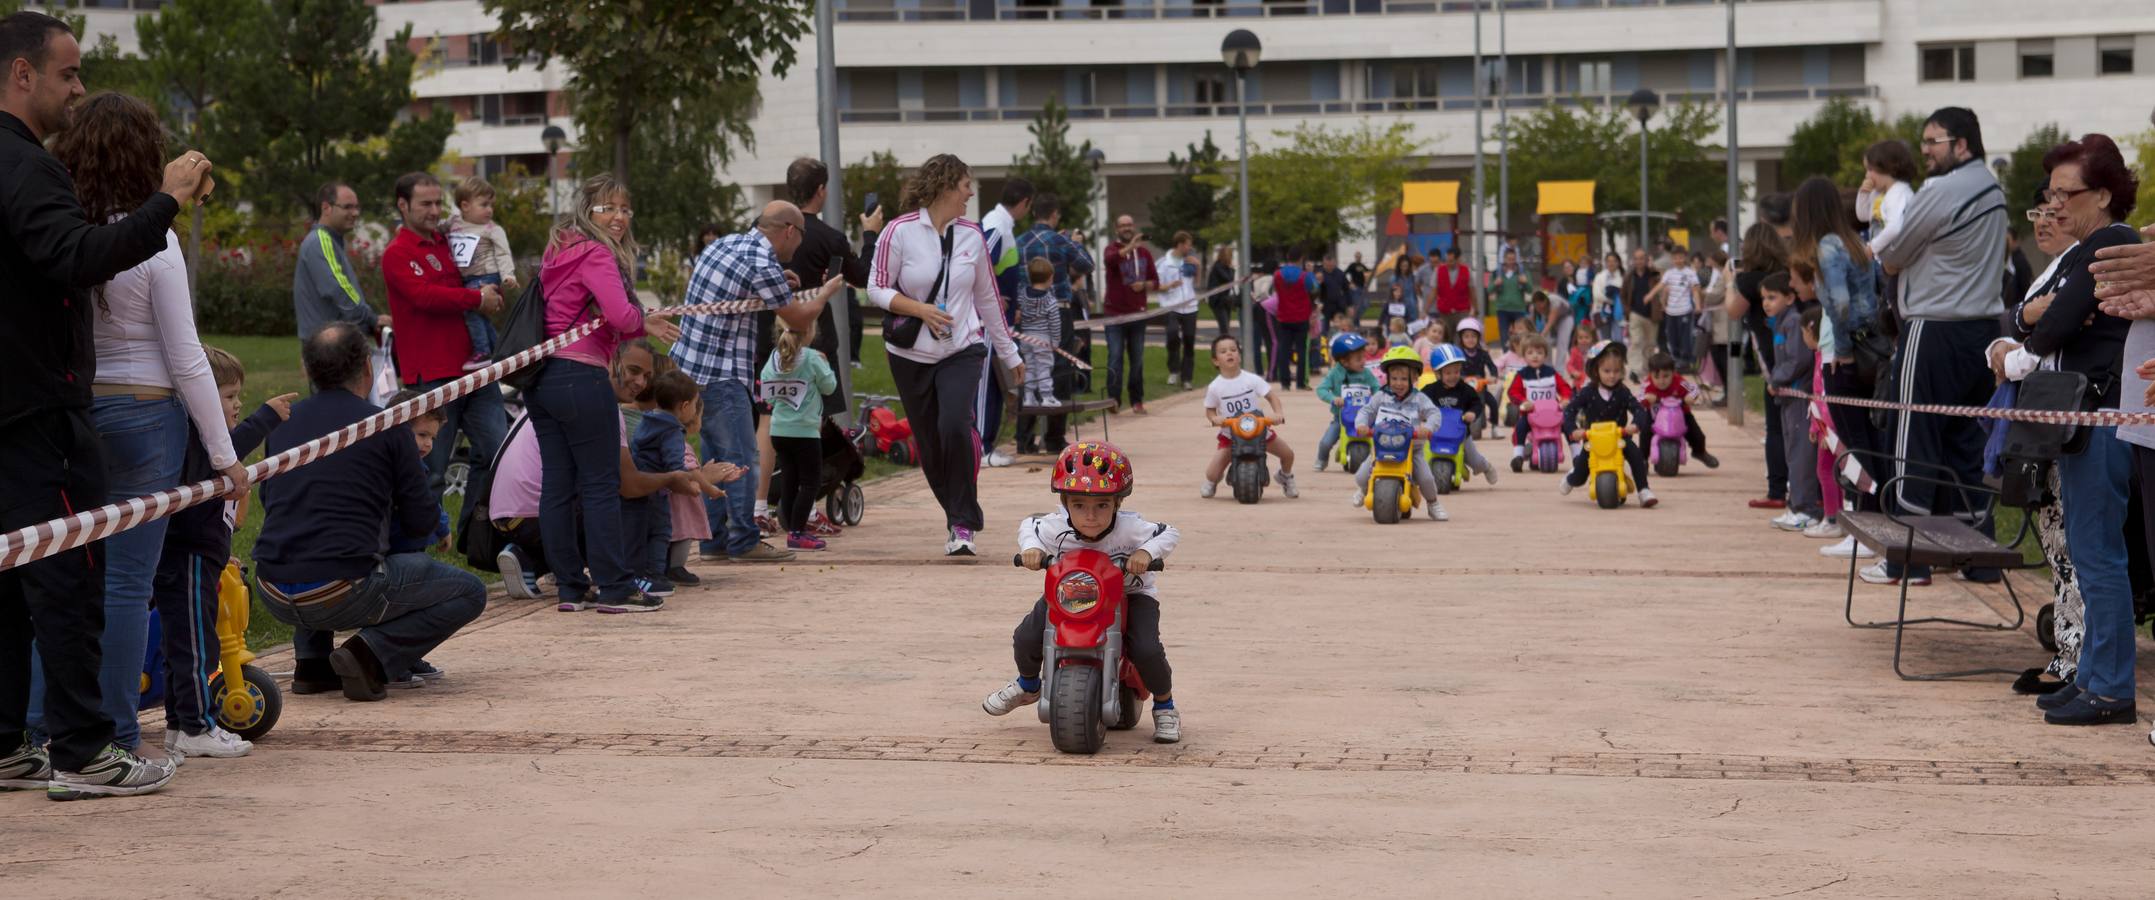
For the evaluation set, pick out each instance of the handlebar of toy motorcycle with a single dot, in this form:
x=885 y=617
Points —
x=1018 y=560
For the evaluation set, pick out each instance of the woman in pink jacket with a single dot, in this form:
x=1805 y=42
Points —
x=586 y=275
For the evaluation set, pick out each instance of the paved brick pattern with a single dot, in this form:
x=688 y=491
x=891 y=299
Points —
x=1125 y=752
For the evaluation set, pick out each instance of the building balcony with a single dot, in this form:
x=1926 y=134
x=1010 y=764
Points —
x=1305 y=108
x=1532 y=27
x=1144 y=10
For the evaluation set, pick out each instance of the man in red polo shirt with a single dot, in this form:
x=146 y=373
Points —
x=427 y=300
x=1130 y=274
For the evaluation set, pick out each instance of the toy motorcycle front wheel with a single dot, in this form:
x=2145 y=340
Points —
x=1077 y=726
x=1248 y=478
x=1447 y=473
x=1357 y=454
x=1384 y=500
x=1670 y=458
x=1605 y=491
x=253 y=709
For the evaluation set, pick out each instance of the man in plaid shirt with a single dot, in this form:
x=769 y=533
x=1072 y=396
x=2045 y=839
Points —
x=1070 y=261
x=719 y=352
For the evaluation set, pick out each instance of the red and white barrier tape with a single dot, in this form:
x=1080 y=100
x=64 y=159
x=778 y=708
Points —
x=2093 y=417
x=1126 y=318
x=35 y=542
x=1039 y=341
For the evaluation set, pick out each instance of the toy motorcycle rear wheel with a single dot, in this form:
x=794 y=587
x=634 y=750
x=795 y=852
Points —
x=254 y=711
x=1248 y=479
x=1671 y=458
x=1130 y=711
x=1384 y=500
x=901 y=453
x=1077 y=726
x=1445 y=471
x=1605 y=491
x=1357 y=454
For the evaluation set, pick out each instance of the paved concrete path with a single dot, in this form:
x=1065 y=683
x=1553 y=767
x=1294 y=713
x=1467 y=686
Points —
x=1535 y=699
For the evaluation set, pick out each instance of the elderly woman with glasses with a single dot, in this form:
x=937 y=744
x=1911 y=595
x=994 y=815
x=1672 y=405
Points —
x=2091 y=192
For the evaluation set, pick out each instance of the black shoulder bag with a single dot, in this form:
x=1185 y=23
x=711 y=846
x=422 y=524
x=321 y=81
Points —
x=2031 y=448
x=904 y=331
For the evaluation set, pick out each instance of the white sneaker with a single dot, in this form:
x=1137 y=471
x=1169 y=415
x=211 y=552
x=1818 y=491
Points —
x=1436 y=511
x=961 y=542
x=1009 y=698
x=998 y=459
x=1491 y=474
x=514 y=580
x=1647 y=499
x=1357 y=497
x=1174 y=378
x=1876 y=573
x=1286 y=487
x=1209 y=488
x=1824 y=530
x=1847 y=547
x=1793 y=521
x=1564 y=486
x=1166 y=726
x=216 y=743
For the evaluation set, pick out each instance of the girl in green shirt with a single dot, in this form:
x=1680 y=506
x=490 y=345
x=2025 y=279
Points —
x=794 y=381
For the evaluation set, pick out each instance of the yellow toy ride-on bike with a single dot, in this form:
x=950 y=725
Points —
x=1608 y=479
x=1392 y=494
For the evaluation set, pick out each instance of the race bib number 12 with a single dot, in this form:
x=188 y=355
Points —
x=463 y=248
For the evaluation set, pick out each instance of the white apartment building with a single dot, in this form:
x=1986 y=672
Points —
x=1143 y=78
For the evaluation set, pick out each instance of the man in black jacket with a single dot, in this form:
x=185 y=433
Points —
x=51 y=459
x=323 y=555
x=822 y=250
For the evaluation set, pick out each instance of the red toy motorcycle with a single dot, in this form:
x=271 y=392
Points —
x=1083 y=643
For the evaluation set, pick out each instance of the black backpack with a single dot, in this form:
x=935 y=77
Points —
x=524 y=329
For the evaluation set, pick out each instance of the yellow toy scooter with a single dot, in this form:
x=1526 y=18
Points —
x=1608 y=481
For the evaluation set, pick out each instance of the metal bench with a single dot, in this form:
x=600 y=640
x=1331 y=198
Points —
x=1941 y=542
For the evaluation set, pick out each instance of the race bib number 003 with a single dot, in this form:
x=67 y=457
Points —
x=791 y=393
x=1235 y=406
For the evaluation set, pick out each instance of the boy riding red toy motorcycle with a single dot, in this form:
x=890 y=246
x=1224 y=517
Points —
x=1090 y=636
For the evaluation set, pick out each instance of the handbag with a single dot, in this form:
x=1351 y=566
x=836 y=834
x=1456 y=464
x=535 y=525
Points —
x=2031 y=448
x=904 y=331
x=1874 y=353
x=524 y=329
x=476 y=537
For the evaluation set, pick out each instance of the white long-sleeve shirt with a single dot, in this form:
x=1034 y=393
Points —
x=909 y=256
x=144 y=329
x=1889 y=208
x=1051 y=533
x=1176 y=293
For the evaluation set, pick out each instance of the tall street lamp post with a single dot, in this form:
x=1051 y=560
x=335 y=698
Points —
x=553 y=137
x=1643 y=104
x=1240 y=51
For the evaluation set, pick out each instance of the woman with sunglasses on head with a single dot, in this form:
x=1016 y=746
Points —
x=2091 y=192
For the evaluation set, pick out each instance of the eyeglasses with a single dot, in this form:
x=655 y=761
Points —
x=348 y=207
x=2055 y=195
x=625 y=212
x=2041 y=215
x=1933 y=142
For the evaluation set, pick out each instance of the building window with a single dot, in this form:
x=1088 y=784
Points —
x=1210 y=89
x=1949 y=62
x=2037 y=60
x=2114 y=55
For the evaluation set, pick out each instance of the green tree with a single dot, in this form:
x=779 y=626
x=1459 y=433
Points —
x=1191 y=202
x=2024 y=170
x=682 y=148
x=1598 y=142
x=316 y=98
x=878 y=174
x=1058 y=167
x=1317 y=188
x=1908 y=129
x=2142 y=147
x=1820 y=144
x=640 y=59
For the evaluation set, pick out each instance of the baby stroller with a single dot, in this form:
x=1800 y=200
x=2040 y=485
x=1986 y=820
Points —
x=843 y=501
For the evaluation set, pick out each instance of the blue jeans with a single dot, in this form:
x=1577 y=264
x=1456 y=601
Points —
x=476 y=324
x=144 y=443
x=481 y=415
x=2094 y=487
x=1504 y=319
x=1327 y=442
x=404 y=609
x=1126 y=346
x=1682 y=333
x=578 y=424
x=729 y=435
x=649 y=523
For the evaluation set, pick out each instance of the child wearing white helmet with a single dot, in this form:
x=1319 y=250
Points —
x=1480 y=367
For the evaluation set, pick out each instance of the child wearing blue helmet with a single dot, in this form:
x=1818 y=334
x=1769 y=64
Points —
x=1452 y=391
x=1350 y=351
